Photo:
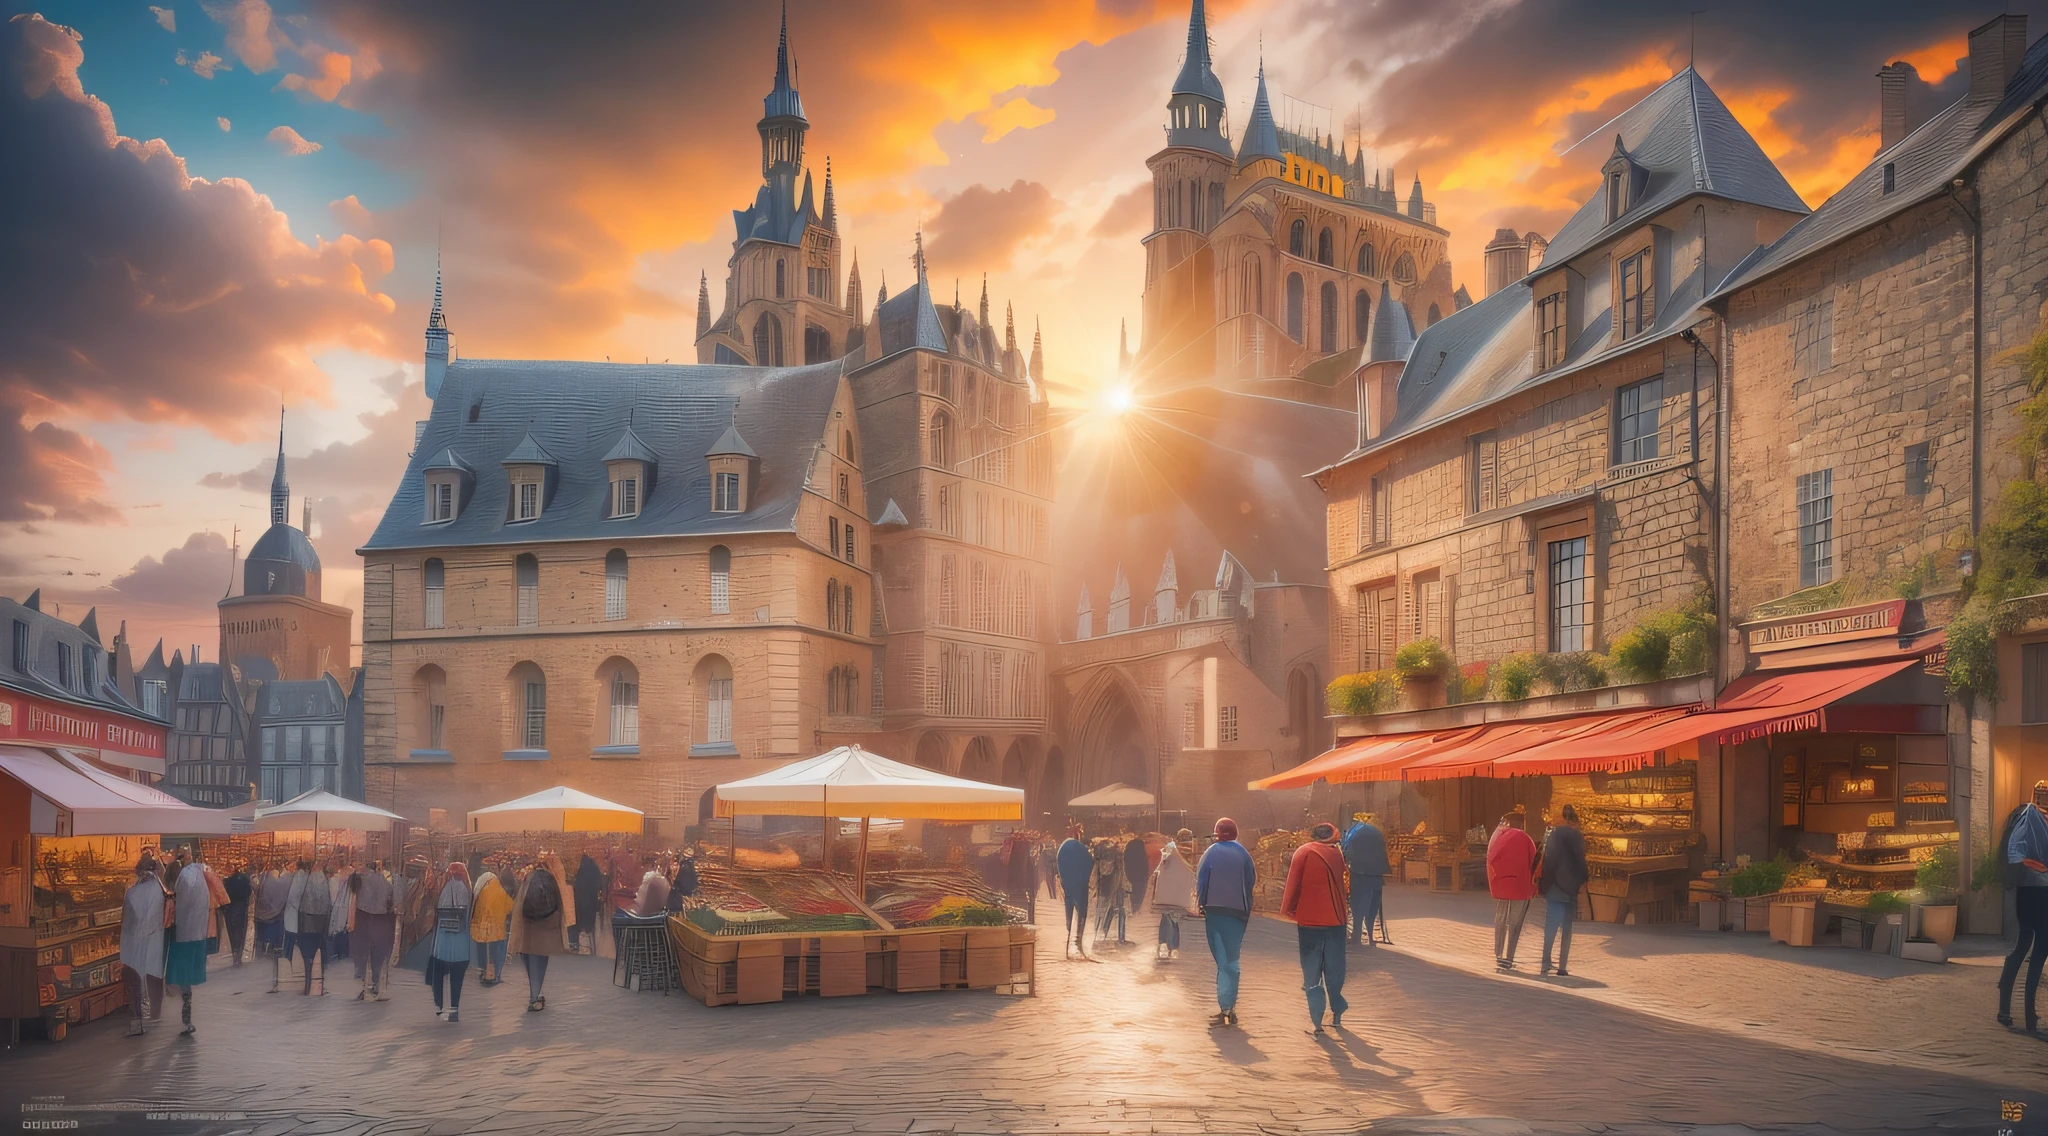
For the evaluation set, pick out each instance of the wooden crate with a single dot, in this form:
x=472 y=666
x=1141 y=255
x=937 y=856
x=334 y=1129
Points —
x=841 y=966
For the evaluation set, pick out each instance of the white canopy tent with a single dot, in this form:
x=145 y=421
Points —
x=1115 y=796
x=316 y=809
x=851 y=782
x=73 y=797
x=560 y=809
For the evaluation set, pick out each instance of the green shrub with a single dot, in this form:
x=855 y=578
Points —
x=1973 y=651
x=1515 y=677
x=1765 y=877
x=1372 y=692
x=1641 y=653
x=1887 y=903
x=1571 y=670
x=1989 y=872
x=1423 y=658
x=1937 y=878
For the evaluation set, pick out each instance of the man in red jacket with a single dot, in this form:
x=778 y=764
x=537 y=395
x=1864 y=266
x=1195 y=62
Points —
x=1511 y=877
x=1314 y=899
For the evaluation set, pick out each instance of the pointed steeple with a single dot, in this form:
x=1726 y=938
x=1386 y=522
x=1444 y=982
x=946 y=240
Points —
x=1415 y=195
x=882 y=292
x=306 y=517
x=853 y=288
x=1123 y=347
x=437 y=317
x=956 y=295
x=917 y=258
x=91 y=624
x=439 y=343
x=1084 y=616
x=280 y=489
x=703 y=304
x=1037 y=365
x=1261 y=136
x=1009 y=327
x=782 y=124
x=831 y=205
x=984 y=299
x=1119 y=604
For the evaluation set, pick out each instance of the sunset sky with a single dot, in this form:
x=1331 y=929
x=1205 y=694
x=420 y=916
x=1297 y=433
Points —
x=208 y=208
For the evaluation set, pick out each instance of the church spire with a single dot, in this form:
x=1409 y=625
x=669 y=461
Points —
x=1037 y=366
x=1009 y=327
x=782 y=123
x=280 y=490
x=917 y=258
x=703 y=304
x=1123 y=347
x=438 y=339
x=984 y=299
x=1261 y=136
x=437 y=318
x=1196 y=101
x=831 y=206
x=853 y=288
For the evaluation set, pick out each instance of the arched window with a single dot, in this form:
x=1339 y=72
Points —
x=832 y=604
x=1294 y=325
x=1368 y=262
x=942 y=440
x=526 y=585
x=530 y=691
x=1327 y=316
x=849 y=698
x=779 y=274
x=615 y=584
x=1326 y=248
x=714 y=678
x=846 y=609
x=1361 y=316
x=1254 y=286
x=761 y=342
x=622 y=691
x=430 y=686
x=817 y=344
x=1297 y=238
x=721 y=580
x=1435 y=314
x=1404 y=269
x=433 y=579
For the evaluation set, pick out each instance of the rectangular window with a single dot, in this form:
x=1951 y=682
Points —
x=153 y=691
x=1919 y=470
x=832 y=526
x=535 y=735
x=2034 y=682
x=433 y=610
x=1813 y=338
x=1430 y=609
x=526 y=505
x=1816 y=493
x=91 y=670
x=1382 y=510
x=21 y=646
x=1378 y=627
x=625 y=712
x=614 y=596
x=1482 y=472
x=1637 y=410
x=718 y=720
x=1635 y=308
x=1226 y=723
x=1550 y=312
x=849 y=543
x=529 y=605
x=626 y=497
x=440 y=501
x=1571 y=604
x=65 y=667
x=725 y=493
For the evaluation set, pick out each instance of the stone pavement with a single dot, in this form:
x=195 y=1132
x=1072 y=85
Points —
x=1115 y=1046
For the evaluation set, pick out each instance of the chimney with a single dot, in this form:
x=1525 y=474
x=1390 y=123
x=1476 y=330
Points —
x=1507 y=260
x=1893 y=123
x=1996 y=50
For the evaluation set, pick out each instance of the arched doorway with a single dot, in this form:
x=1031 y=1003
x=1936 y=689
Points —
x=1016 y=772
x=931 y=751
x=979 y=762
x=1112 y=740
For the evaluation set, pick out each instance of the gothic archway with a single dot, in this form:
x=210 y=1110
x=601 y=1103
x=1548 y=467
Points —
x=1112 y=741
x=931 y=751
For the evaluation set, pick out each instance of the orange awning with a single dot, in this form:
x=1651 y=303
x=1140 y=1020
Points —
x=1377 y=758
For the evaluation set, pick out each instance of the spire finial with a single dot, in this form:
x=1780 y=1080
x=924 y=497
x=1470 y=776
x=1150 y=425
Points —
x=918 y=259
x=280 y=489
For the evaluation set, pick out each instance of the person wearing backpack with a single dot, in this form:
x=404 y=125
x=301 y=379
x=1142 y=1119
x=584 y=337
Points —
x=540 y=921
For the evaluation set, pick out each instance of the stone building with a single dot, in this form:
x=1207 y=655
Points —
x=1876 y=362
x=1267 y=254
x=60 y=688
x=210 y=733
x=279 y=627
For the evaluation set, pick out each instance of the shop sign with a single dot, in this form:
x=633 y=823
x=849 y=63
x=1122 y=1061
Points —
x=1867 y=621
x=1791 y=724
x=1936 y=662
x=25 y=717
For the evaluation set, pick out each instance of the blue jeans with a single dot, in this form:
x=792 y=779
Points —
x=536 y=973
x=1113 y=912
x=491 y=957
x=1558 y=913
x=1169 y=929
x=1226 y=940
x=1077 y=912
x=1322 y=969
x=1365 y=905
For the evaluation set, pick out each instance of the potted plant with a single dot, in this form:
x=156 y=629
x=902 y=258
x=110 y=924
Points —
x=1933 y=914
x=1886 y=908
x=1753 y=884
x=1363 y=694
x=1422 y=666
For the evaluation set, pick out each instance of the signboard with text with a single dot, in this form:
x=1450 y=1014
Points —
x=26 y=717
x=1865 y=621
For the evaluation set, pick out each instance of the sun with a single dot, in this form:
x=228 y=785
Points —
x=1119 y=400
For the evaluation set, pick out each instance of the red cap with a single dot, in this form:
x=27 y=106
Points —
x=1226 y=829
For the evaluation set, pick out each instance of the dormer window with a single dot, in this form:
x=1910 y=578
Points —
x=626 y=496
x=734 y=466
x=528 y=470
x=629 y=473
x=440 y=499
x=526 y=495
x=448 y=481
x=1625 y=181
x=725 y=493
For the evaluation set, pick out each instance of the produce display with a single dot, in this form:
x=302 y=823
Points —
x=938 y=897
x=751 y=902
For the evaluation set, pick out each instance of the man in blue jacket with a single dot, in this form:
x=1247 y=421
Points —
x=1076 y=868
x=1223 y=891
x=1365 y=854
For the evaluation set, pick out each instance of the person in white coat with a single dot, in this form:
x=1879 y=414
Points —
x=142 y=943
x=185 y=962
x=1173 y=896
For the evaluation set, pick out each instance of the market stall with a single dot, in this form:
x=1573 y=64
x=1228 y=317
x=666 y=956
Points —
x=758 y=935
x=73 y=832
x=560 y=809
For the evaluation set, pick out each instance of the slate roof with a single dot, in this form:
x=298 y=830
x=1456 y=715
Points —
x=1261 y=136
x=1393 y=329
x=1923 y=164
x=776 y=214
x=1688 y=142
x=629 y=447
x=575 y=410
x=909 y=319
x=285 y=545
x=1196 y=77
x=41 y=672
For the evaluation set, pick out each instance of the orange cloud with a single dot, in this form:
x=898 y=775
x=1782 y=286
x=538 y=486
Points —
x=331 y=74
x=1017 y=114
x=291 y=141
x=1937 y=61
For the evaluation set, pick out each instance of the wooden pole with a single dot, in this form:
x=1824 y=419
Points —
x=860 y=879
x=825 y=846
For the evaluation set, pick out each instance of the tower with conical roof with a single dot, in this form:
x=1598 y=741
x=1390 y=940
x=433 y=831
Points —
x=1194 y=108
x=278 y=627
x=783 y=125
x=440 y=347
x=281 y=489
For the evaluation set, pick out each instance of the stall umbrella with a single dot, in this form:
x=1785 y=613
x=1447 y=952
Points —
x=851 y=782
x=560 y=809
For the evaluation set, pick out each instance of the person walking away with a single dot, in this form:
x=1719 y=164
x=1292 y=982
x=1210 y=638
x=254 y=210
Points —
x=1113 y=891
x=490 y=908
x=1511 y=877
x=185 y=958
x=1173 y=893
x=652 y=898
x=1076 y=870
x=1021 y=872
x=590 y=890
x=315 y=906
x=1223 y=893
x=2026 y=866
x=1314 y=899
x=341 y=921
x=1137 y=869
x=1049 y=867
x=273 y=892
x=376 y=930
x=1365 y=854
x=544 y=910
x=142 y=943
x=235 y=913
x=1562 y=875
x=452 y=944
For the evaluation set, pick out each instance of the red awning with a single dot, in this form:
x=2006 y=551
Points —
x=1483 y=756
x=1377 y=758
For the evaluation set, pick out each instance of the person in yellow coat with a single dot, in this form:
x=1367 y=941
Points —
x=489 y=924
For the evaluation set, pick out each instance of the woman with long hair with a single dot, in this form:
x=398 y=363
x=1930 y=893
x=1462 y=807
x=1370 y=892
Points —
x=452 y=944
x=541 y=917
